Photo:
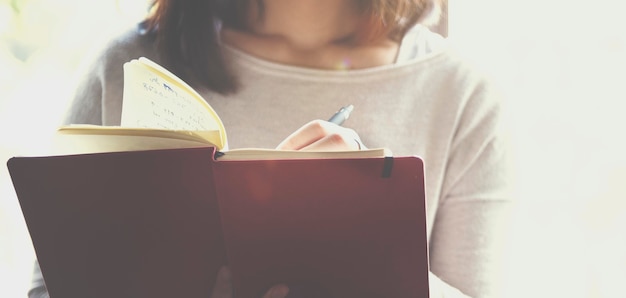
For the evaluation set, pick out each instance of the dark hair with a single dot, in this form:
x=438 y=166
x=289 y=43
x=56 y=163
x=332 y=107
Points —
x=192 y=52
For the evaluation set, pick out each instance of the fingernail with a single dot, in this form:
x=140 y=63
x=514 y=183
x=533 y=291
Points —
x=279 y=291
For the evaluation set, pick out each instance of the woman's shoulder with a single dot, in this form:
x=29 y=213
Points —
x=419 y=42
x=132 y=43
x=100 y=75
x=123 y=46
x=441 y=58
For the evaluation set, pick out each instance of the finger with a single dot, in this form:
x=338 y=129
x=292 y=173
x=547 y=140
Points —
x=321 y=135
x=306 y=135
x=223 y=287
x=277 y=291
x=335 y=142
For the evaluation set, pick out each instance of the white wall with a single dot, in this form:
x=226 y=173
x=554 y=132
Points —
x=562 y=65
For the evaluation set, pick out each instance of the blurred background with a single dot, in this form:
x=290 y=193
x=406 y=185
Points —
x=560 y=63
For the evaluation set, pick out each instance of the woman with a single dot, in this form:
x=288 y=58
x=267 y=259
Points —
x=269 y=66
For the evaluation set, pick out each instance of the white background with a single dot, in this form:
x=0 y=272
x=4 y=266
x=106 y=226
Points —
x=562 y=64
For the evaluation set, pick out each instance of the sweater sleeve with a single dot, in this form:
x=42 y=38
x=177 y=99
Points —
x=98 y=98
x=473 y=221
x=86 y=106
x=38 y=287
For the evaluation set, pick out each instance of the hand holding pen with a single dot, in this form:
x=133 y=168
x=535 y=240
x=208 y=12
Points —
x=324 y=135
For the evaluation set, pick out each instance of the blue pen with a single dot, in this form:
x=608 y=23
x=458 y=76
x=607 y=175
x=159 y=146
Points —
x=341 y=115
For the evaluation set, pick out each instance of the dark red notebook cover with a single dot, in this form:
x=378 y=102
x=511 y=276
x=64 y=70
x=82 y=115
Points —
x=160 y=223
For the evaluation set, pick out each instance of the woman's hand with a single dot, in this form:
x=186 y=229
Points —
x=223 y=287
x=322 y=135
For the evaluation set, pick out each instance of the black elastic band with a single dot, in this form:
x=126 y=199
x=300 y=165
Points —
x=387 y=166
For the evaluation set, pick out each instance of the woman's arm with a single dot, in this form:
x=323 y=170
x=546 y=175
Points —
x=86 y=106
x=38 y=288
x=98 y=98
x=473 y=223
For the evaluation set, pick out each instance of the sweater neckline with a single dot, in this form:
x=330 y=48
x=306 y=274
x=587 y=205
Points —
x=419 y=44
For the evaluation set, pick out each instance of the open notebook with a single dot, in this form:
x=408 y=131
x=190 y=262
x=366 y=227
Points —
x=148 y=211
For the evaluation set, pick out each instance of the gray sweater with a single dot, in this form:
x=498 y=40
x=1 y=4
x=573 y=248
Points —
x=430 y=103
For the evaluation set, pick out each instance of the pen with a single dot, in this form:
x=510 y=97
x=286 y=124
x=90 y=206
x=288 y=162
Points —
x=341 y=115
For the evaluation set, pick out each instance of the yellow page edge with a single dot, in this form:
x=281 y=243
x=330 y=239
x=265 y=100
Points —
x=188 y=135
